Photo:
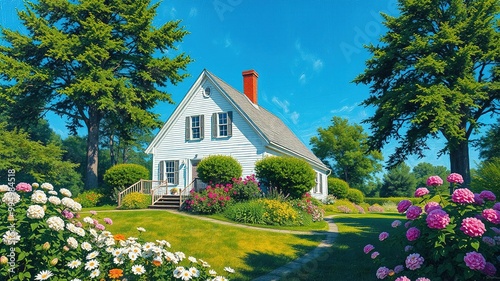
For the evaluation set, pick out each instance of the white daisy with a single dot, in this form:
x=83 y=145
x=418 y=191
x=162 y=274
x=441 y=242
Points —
x=43 y=275
x=72 y=243
x=95 y=273
x=92 y=255
x=212 y=272
x=192 y=259
x=228 y=269
x=180 y=255
x=138 y=269
x=132 y=256
x=194 y=271
x=76 y=279
x=141 y=229
x=220 y=278
x=88 y=220
x=4 y=188
x=186 y=275
x=178 y=271
x=91 y=264
x=74 y=264
x=118 y=260
x=52 y=192
x=86 y=246
x=11 y=237
x=35 y=212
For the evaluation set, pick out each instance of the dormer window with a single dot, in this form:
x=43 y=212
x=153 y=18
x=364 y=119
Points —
x=206 y=92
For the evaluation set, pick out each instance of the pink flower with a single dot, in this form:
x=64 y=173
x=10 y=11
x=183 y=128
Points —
x=78 y=224
x=475 y=261
x=489 y=269
x=489 y=241
x=396 y=223
x=421 y=191
x=429 y=207
x=408 y=248
x=422 y=279
x=437 y=219
x=374 y=255
x=495 y=229
x=67 y=214
x=492 y=215
x=478 y=200
x=382 y=236
x=414 y=261
x=487 y=195
x=407 y=224
x=382 y=272
x=497 y=206
x=23 y=187
x=412 y=234
x=413 y=212
x=368 y=248
x=402 y=278
x=434 y=181
x=462 y=196
x=455 y=178
x=108 y=221
x=472 y=227
x=100 y=226
x=93 y=213
x=403 y=205
x=398 y=269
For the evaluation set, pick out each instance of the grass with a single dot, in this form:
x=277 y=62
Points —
x=345 y=260
x=250 y=252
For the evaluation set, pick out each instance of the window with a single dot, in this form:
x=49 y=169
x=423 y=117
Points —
x=169 y=171
x=319 y=183
x=195 y=127
x=222 y=124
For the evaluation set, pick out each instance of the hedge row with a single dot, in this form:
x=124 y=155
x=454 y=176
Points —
x=395 y=200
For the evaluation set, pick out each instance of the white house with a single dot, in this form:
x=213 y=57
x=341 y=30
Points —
x=216 y=119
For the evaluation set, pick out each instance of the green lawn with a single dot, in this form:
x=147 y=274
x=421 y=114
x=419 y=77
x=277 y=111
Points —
x=345 y=260
x=250 y=252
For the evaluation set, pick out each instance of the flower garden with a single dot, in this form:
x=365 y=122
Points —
x=444 y=237
x=44 y=238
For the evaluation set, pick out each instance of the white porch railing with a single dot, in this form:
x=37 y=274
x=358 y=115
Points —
x=144 y=186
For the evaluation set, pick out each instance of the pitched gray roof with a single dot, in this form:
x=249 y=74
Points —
x=270 y=126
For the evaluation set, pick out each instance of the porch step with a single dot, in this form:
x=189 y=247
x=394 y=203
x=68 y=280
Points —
x=167 y=202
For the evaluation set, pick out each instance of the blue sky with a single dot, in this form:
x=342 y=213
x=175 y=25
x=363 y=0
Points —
x=305 y=52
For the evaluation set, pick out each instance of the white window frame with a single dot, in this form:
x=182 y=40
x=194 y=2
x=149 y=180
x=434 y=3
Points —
x=218 y=126
x=168 y=171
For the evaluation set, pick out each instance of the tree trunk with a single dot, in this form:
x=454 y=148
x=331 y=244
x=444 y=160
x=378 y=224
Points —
x=459 y=160
x=112 y=150
x=92 y=149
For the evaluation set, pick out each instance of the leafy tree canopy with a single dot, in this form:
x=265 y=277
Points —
x=489 y=145
x=424 y=170
x=92 y=61
x=343 y=147
x=435 y=73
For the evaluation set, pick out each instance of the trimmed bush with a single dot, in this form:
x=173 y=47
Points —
x=395 y=200
x=136 y=200
x=246 y=212
x=355 y=196
x=219 y=169
x=89 y=198
x=279 y=213
x=338 y=188
x=122 y=176
x=290 y=175
x=487 y=177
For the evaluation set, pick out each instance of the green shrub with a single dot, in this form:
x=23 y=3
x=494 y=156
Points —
x=355 y=196
x=219 y=169
x=390 y=207
x=376 y=208
x=290 y=175
x=338 y=188
x=122 y=176
x=342 y=206
x=246 y=212
x=211 y=200
x=245 y=189
x=90 y=198
x=307 y=205
x=136 y=200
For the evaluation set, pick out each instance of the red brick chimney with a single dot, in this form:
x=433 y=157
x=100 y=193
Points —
x=250 y=78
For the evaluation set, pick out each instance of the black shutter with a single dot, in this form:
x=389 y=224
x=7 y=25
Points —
x=202 y=126
x=229 y=123
x=176 y=172
x=161 y=170
x=188 y=128
x=214 y=125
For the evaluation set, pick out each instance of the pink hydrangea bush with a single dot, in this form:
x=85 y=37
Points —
x=457 y=238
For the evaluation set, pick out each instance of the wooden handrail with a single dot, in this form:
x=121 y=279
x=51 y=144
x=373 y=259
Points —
x=142 y=186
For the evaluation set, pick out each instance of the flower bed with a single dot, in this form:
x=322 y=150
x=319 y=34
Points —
x=43 y=238
x=456 y=238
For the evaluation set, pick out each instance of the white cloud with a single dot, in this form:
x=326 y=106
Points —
x=344 y=109
x=173 y=12
x=294 y=116
x=318 y=65
x=193 y=12
x=227 y=41
x=285 y=107
x=302 y=78
x=310 y=59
